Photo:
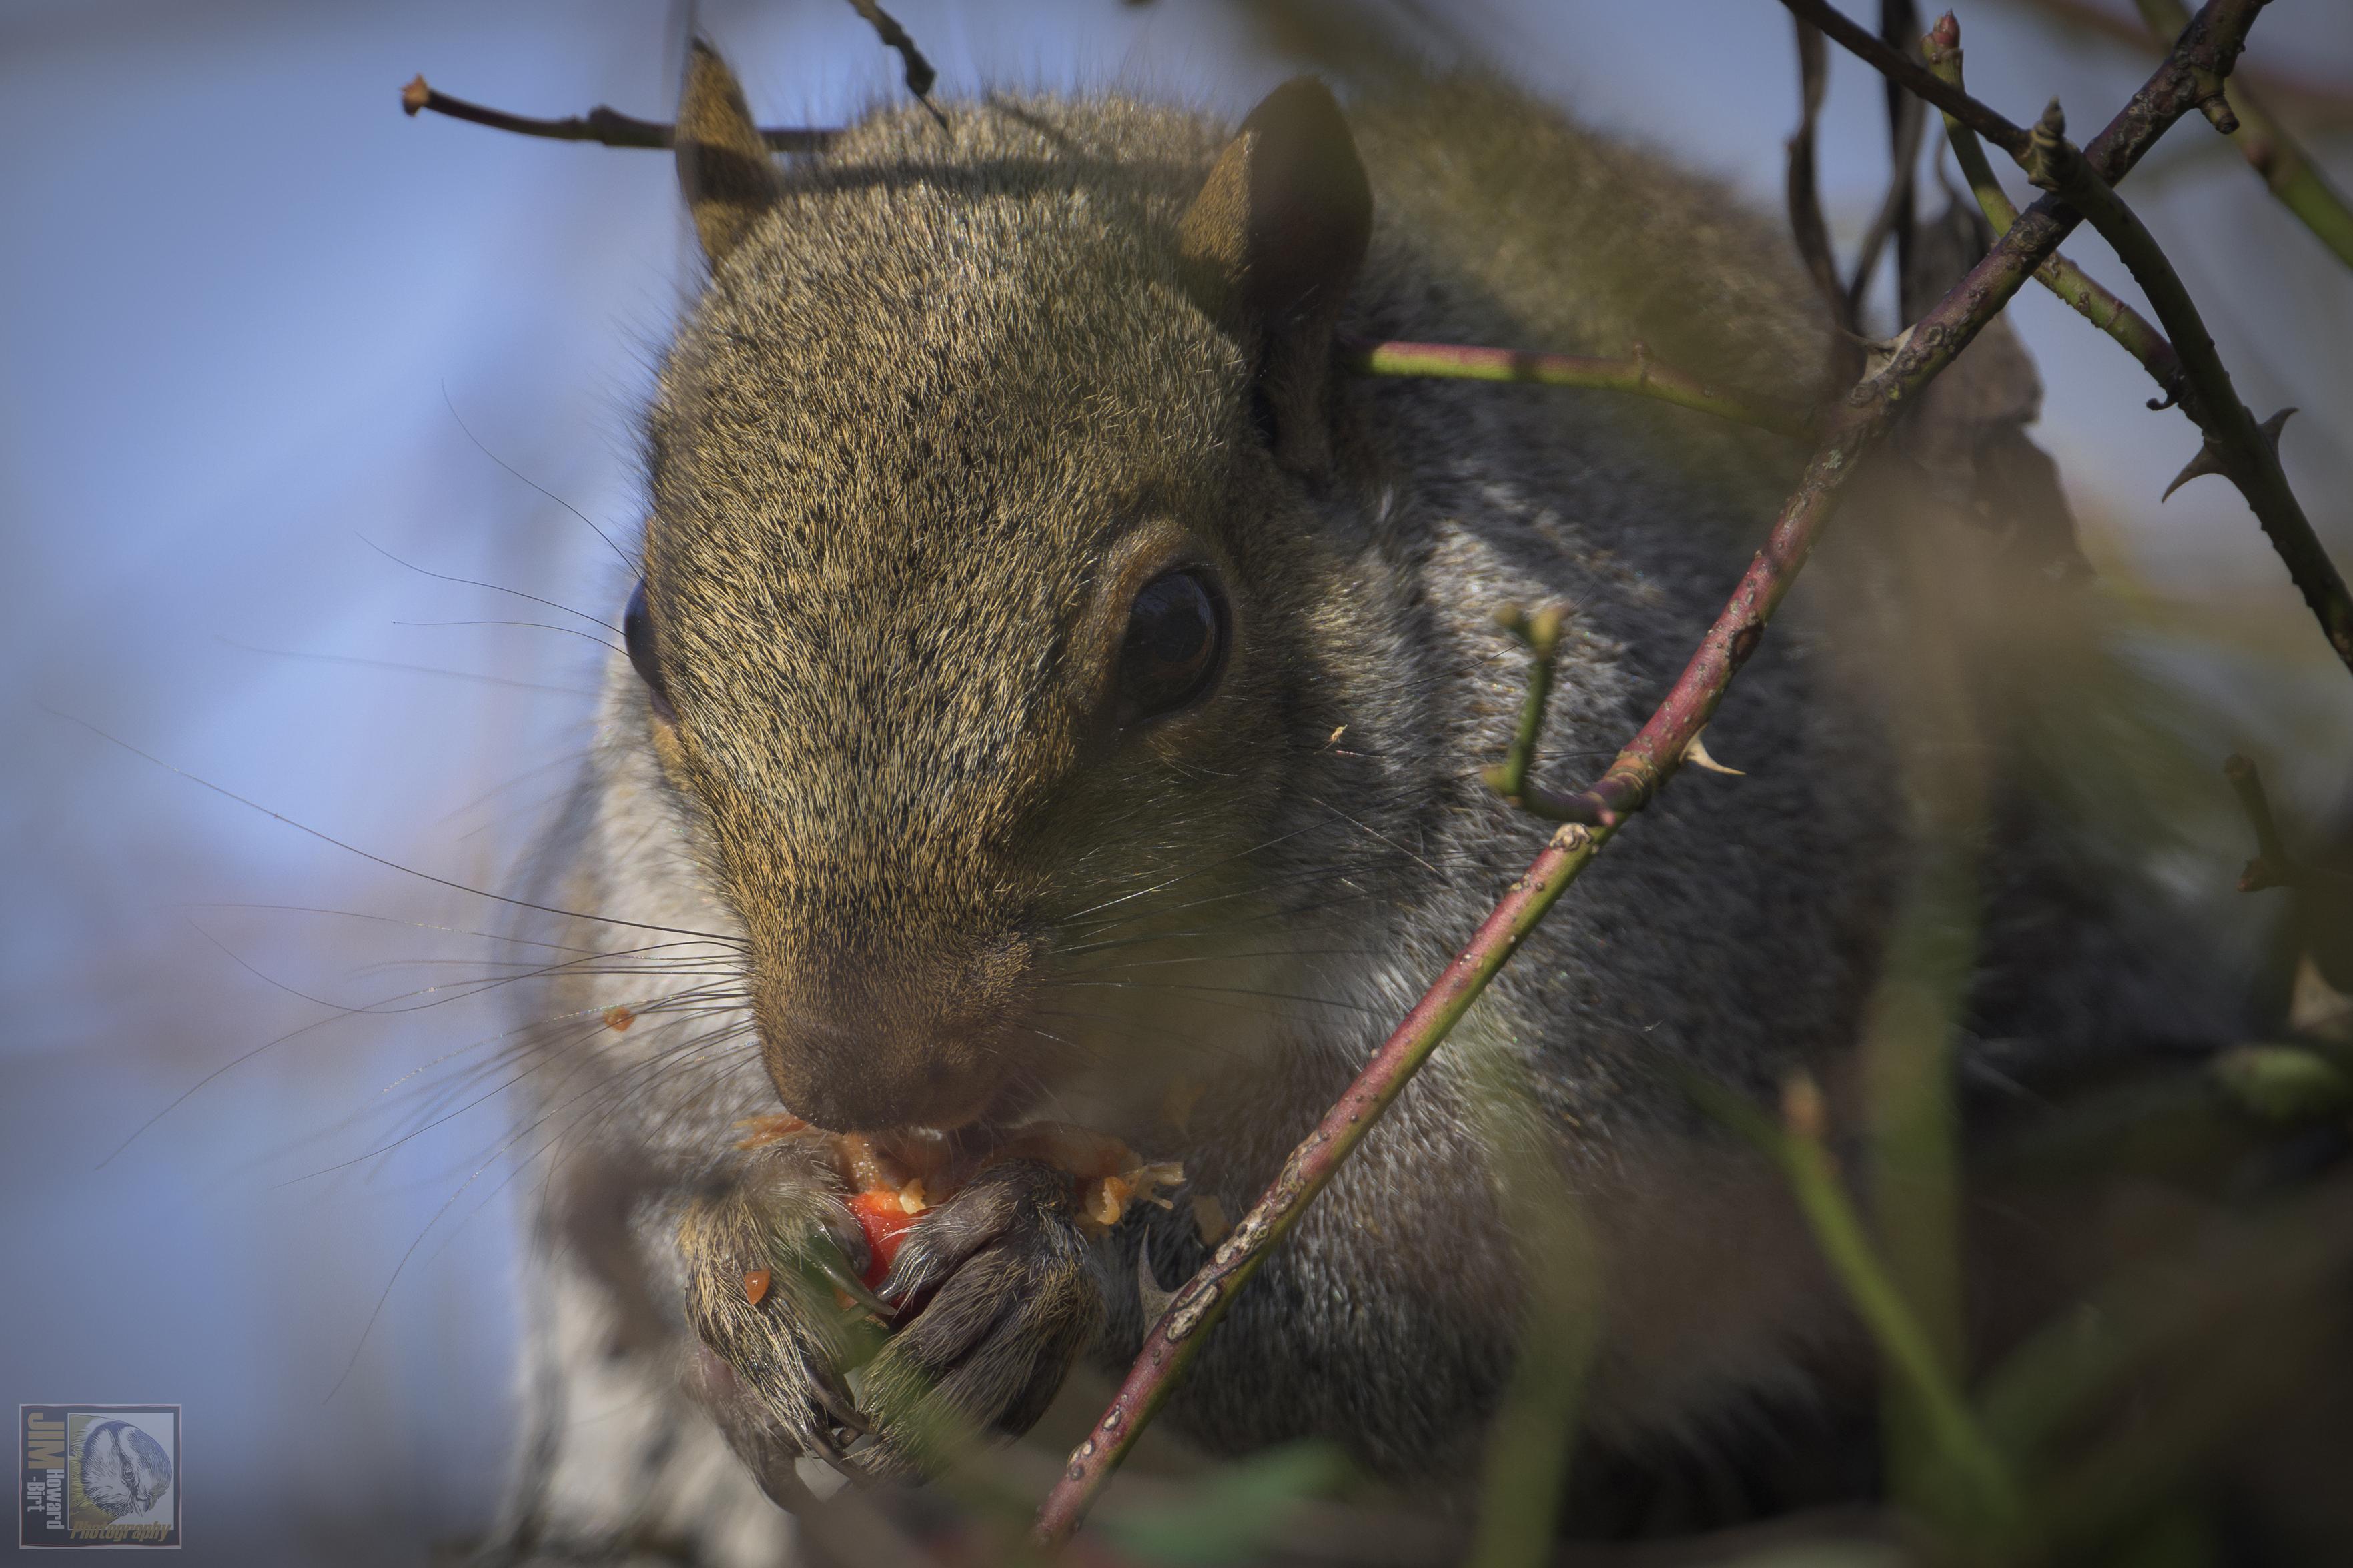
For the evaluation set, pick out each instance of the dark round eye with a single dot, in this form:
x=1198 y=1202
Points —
x=637 y=637
x=1175 y=644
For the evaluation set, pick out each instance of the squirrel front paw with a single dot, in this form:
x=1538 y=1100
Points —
x=990 y=1300
x=1003 y=1299
x=770 y=1259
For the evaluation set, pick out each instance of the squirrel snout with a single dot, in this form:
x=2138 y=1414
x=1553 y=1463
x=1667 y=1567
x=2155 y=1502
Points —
x=863 y=1054
x=864 y=1080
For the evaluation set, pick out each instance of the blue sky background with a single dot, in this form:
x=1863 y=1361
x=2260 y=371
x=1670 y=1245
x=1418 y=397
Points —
x=253 y=325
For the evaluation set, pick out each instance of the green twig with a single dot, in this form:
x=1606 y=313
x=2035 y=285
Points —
x=2315 y=104
x=1541 y=632
x=1637 y=373
x=1530 y=1447
x=2237 y=443
x=1911 y=1119
x=1910 y=1352
x=2270 y=151
x=2086 y=296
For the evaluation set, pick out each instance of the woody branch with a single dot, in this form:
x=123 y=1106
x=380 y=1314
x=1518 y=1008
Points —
x=2088 y=298
x=606 y=127
x=611 y=127
x=2270 y=151
x=2236 y=444
x=1851 y=430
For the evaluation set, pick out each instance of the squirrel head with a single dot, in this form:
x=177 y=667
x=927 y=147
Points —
x=992 y=480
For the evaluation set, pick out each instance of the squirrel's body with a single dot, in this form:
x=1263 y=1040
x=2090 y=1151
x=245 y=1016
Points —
x=943 y=383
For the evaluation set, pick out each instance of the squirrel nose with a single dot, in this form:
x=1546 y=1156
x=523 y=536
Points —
x=872 y=1046
x=871 y=1080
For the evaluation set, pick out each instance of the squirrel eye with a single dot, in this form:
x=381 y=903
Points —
x=1175 y=643
x=637 y=637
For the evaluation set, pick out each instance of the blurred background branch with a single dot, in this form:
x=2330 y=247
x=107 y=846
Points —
x=606 y=126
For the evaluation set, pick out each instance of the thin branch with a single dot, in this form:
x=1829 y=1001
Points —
x=2238 y=445
x=1177 y=1337
x=1908 y=73
x=2272 y=867
x=1853 y=427
x=1807 y=225
x=1640 y=374
x=2300 y=185
x=2214 y=38
x=1541 y=632
x=1906 y=122
x=2090 y=299
x=920 y=75
x=611 y=127
x=606 y=127
x=1797 y=1146
x=2318 y=105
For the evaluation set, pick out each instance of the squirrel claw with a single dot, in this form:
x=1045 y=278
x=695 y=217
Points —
x=837 y=1273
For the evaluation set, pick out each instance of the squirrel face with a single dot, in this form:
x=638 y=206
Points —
x=985 y=493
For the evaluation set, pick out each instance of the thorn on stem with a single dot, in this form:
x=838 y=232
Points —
x=1695 y=753
x=1878 y=353
x=2208 y=460
x=1150 y=1294
x=2211 y=459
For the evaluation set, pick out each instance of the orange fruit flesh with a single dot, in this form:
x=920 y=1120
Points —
x=883 y=1216
x=888 y=1176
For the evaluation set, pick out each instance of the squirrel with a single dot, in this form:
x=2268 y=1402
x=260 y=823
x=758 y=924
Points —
x=1054 y=689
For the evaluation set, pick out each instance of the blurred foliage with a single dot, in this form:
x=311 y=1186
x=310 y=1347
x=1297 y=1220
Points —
x=1231 y=1515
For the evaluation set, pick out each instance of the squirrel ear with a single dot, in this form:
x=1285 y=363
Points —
x=1271 y=246
x=723 y=166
